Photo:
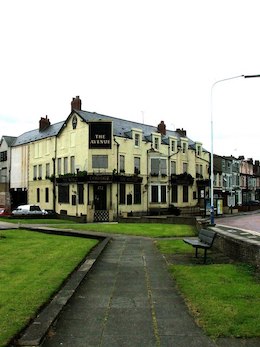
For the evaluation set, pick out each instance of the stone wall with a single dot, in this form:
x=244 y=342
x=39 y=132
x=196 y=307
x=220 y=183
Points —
x=238 y=249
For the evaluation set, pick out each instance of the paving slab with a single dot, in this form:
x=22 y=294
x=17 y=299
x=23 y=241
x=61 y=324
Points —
x=127 y=299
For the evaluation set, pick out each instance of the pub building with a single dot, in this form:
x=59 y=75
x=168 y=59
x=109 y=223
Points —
x=101 y=168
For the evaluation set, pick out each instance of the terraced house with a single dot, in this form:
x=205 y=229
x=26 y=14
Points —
x=100 y=167
x=5 y=165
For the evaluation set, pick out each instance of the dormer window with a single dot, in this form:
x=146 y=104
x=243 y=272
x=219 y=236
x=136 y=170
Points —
x=136 y=135
x=173 y=146
x=198 y=150
x=184 y=147
x=156 y=143
x=137 y=140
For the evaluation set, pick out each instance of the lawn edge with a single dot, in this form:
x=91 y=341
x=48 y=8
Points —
x=35 y=332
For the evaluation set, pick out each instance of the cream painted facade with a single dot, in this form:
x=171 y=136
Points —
x=42 y=157
x=129 y=168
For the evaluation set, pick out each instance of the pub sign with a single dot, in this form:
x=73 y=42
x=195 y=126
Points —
x=100 y=135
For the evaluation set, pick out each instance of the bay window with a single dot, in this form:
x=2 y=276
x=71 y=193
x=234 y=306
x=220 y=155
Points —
x=158 y=166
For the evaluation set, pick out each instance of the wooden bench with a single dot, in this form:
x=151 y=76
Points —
x=204 y=241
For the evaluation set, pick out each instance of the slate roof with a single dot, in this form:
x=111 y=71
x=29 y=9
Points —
x=34 y=135
x=9 y=140
x=121 y=128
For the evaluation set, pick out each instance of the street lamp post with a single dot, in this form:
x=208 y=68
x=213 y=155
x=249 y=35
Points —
x=212 y=141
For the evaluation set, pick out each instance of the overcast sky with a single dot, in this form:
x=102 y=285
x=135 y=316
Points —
x=141 y=60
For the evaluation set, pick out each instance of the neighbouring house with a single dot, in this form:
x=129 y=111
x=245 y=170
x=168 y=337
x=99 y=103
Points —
x=5 y=165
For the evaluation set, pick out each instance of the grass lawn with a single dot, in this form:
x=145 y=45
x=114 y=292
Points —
x=35 y=220
x=32 y=267
x=224 y=298
x=138 y=229
x=173 y=247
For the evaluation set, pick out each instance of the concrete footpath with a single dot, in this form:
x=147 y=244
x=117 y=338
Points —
x=128 y=299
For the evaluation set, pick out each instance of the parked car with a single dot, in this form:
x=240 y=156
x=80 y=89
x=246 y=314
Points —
x=253 y=203
x=28 y=210
x=4 y=212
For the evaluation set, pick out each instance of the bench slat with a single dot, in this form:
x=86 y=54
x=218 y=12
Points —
x=207 y=236
x=196 y=243
x=205 y=241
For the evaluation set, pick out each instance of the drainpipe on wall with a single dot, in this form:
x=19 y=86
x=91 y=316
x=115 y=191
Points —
x=169 y=167
x=147 y=167
x=117 y=167
x=169 y=174
x=54 y=176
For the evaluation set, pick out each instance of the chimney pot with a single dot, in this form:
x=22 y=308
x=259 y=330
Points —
x=162 y=128
x=182 y=132
x=76 y=103
x=44 y=123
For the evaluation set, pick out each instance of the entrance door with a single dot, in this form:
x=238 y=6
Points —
x=100 y=203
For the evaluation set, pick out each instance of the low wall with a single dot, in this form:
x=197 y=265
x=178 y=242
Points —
x=77 y=219
x=245 y=208
x=238 y=249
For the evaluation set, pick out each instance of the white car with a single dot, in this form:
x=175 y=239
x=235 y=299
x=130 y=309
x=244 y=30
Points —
x=30 y=210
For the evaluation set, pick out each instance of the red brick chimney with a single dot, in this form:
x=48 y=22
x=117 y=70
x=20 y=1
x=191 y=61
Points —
x=76 y=103
x=162 y=128
x=44 y=123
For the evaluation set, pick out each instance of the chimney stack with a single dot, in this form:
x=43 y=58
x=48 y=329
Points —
x=162 y=128
x=76 y=103
x=182 y=132
x=44 y=123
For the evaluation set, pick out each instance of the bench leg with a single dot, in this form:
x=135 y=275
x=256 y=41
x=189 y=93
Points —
x=196 y=252
x=205 y=255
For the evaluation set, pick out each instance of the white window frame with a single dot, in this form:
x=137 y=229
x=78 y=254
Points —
x=137 y=164
x=121 y=163
x=156 y=143
x=59 y=166
x=47 y=170
x=173 y=167
x=40 y=171
x=137 y=140
x=173 y=146
x=72 y=164
x=159 y=192
x=65 y=165
x=162 y=170
x=184 y=147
